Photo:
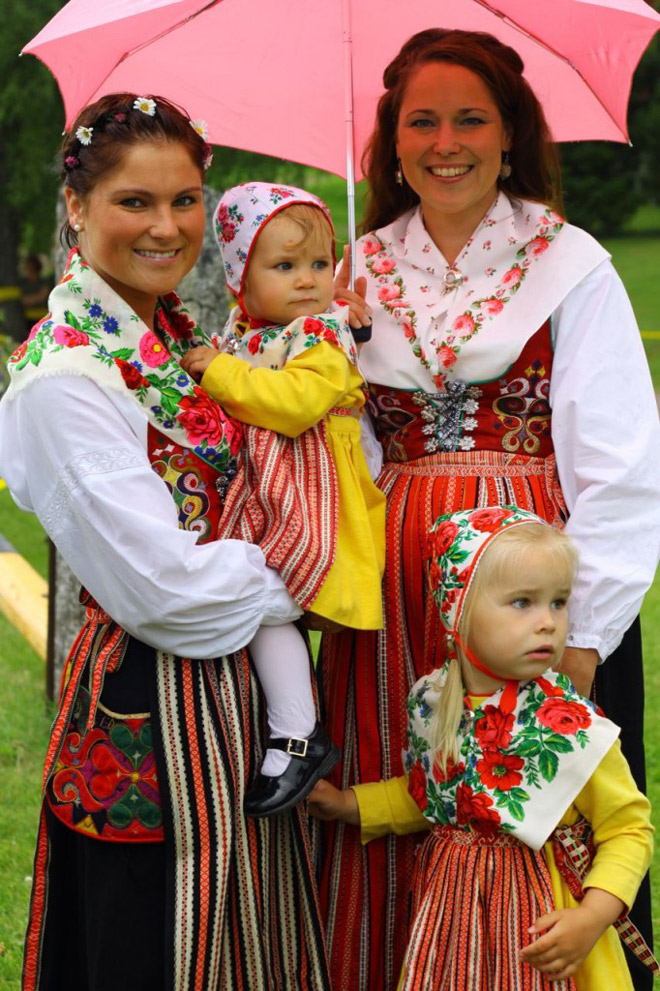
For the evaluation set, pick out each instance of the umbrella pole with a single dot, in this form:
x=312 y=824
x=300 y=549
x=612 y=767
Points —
x=350 y=145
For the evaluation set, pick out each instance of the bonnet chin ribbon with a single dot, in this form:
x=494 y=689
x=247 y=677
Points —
x=510 y=693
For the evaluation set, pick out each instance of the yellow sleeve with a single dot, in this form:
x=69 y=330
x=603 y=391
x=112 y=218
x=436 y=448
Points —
x=620 y=818
x=288 y=400
x=387 y=807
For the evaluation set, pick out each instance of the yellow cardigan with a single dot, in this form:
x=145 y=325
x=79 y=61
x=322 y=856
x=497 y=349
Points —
x=290 y=400
x=620 y=818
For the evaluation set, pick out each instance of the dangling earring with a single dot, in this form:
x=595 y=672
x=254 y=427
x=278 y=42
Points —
x=505 y=167
x=398 y=175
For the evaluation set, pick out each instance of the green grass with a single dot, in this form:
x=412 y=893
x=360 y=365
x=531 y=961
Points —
x=23 y=533
x=651 y=641
x=24 y=727
x=637 y=260
x=645 y=221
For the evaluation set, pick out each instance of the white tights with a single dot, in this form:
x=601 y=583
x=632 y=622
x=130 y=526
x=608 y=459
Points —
x=281 y=660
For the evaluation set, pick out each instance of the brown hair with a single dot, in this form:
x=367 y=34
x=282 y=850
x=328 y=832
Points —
x=116 y=125
x=533 y=155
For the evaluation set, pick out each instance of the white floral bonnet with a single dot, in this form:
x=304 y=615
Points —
x=456 y=542
x=241 y=214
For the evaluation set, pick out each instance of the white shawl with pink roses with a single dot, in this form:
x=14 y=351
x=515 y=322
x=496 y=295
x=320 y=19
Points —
x=515 y=270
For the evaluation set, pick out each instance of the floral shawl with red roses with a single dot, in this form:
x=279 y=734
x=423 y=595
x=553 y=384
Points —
x=271 y=346
x=518 y=771
x=90 y=330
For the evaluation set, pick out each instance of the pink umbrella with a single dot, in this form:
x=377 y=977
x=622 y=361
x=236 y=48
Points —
x=300 y=79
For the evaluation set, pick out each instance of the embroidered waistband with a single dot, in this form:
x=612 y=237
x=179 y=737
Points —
x=483 y=463
x=473 y=837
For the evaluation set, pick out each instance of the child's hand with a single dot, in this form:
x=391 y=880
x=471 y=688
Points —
x=359 y=312
x=197 y=360
x=571 y=933
x=328 y=803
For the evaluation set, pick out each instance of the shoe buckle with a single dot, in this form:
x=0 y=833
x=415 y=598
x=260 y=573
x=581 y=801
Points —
x=296 y=747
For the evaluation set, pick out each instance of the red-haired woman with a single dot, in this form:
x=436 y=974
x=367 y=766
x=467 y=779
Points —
x=505 y=366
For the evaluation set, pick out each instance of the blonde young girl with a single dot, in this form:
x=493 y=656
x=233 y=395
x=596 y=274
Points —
x=515 y=776
x=304 y=491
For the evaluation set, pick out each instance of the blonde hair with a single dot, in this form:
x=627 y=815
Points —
x=502 y=554
x=310 y=219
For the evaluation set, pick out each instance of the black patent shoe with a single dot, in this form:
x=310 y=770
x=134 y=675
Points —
x=311 y=760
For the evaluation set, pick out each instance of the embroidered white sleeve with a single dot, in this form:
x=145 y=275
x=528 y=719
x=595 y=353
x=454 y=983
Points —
x=76 y=456
x=54 y=516
x=607 y=442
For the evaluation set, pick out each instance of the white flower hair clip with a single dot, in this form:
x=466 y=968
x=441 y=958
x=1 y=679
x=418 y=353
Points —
x=145 y=105
x=201 y=128
x=84 y=135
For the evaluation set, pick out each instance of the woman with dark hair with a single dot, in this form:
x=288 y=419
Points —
x=147 y=875
x=505 y=367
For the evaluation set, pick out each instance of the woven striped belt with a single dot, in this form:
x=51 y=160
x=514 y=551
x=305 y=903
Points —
x=574 y=849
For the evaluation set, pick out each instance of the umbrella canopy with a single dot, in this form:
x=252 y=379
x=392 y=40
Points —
x=300 y=79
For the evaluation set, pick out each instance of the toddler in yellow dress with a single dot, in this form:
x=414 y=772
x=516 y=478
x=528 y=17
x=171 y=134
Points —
x=286 y=366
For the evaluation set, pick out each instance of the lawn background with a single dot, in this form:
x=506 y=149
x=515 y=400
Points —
x=25 y=715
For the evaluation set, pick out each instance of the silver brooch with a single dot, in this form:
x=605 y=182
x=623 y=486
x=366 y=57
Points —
x=452 y=279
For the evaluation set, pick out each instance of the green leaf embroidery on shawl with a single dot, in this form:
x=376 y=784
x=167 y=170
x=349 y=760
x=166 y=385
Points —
x=548 y=764
x=72 y=320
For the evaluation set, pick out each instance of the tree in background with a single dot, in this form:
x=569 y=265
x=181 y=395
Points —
x=31 y=118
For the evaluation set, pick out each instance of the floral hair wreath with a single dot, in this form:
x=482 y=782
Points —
x=146 y=106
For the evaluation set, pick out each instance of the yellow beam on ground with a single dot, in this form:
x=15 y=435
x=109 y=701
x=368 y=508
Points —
x=650 y=335
x=24 y=597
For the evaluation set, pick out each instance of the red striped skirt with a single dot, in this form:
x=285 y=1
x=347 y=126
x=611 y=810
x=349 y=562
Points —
x=474 y=897
x=285 y=498
x=366 y=680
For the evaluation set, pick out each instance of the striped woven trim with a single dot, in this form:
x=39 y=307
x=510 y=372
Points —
x=474 y=900
x=574 y=851
x=245 y=910
x=34 y=936
x=285 y=498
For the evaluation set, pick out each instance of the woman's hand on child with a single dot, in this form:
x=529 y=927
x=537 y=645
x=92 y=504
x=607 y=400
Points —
x=328 y=803
x=570 y=933
x=197 y=360
x=580 y=664
x=359 y=311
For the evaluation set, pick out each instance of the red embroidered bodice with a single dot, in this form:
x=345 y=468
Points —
x=510 y=413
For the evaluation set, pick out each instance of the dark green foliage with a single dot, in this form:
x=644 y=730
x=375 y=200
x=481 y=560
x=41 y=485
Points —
x=600 y=192
x=31 y=120
x=231 y=166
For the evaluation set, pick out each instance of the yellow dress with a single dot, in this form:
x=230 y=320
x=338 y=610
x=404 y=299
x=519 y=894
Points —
x=290 y=400
x=620 y=818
